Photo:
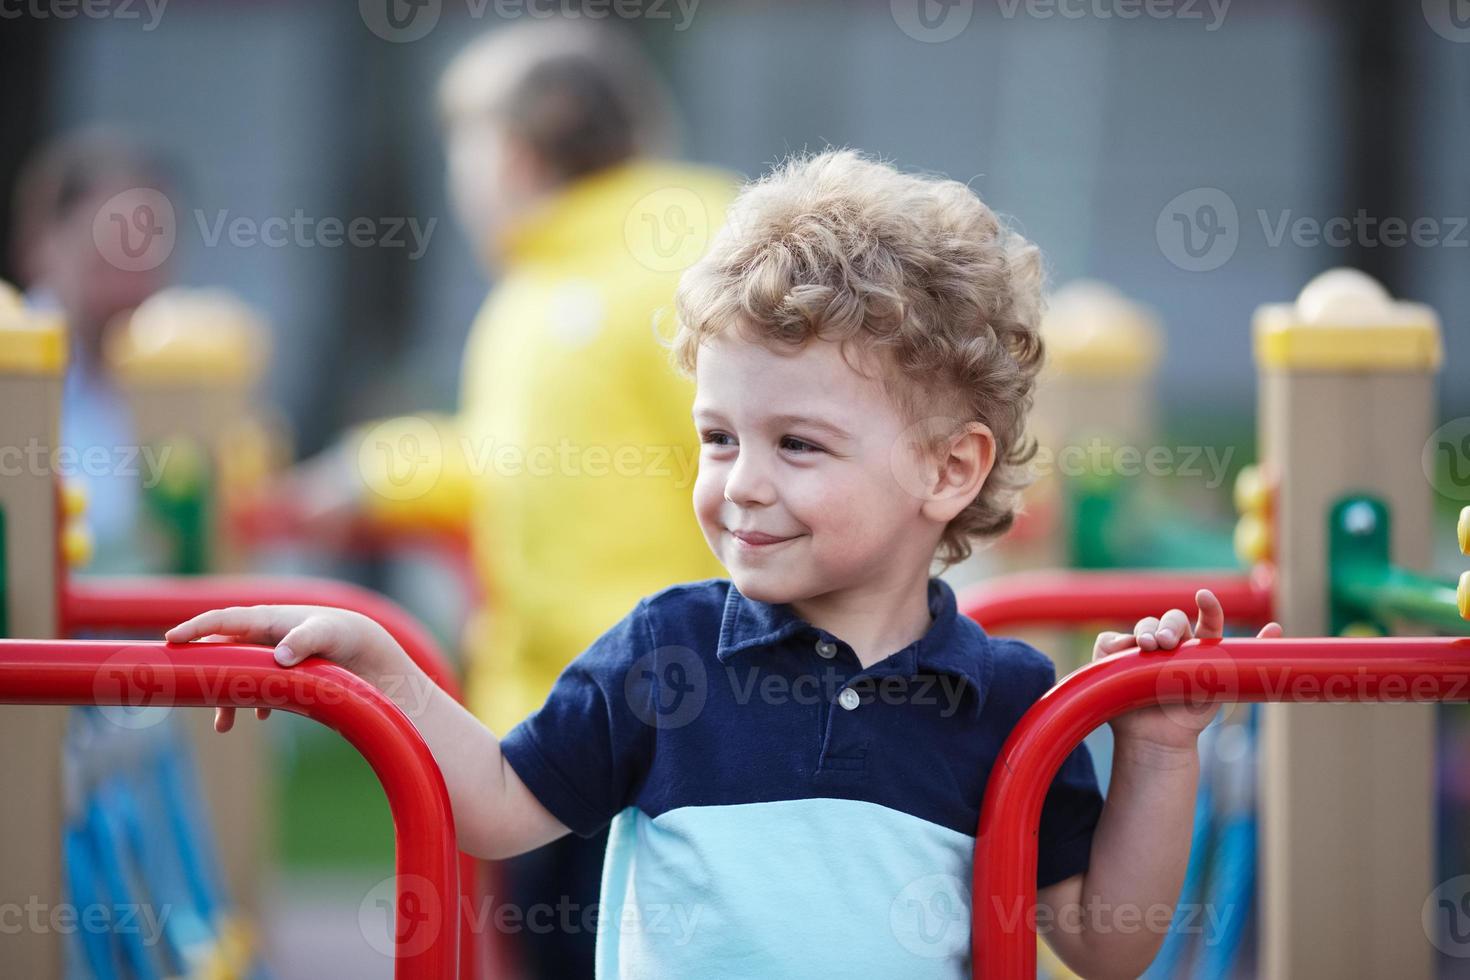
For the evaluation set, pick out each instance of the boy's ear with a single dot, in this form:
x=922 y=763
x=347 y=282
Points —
x=961 y=472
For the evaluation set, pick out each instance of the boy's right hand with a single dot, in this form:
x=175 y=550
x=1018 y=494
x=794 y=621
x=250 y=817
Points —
x=348 y=639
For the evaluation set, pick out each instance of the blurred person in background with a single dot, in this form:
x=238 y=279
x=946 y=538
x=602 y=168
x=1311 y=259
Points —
x=73 y=199
x=572 y=455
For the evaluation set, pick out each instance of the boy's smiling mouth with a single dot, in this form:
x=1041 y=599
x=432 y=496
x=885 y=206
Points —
x=758 y=539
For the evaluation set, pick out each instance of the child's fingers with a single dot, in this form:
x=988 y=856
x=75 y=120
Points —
x=1211 y=623
x=1144 y=632
x=1270 y=631
x=224 y=717
x=256 y=624
x=1110 y=643
x=1173 y=627
x=316 y=636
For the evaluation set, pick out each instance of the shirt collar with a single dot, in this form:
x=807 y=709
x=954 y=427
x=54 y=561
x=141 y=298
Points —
x=953 y=645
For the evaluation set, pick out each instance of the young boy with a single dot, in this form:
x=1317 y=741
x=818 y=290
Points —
x=793 y=759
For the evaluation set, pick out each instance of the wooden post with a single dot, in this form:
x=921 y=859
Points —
x=1347 y=794
x=187 y=361
x=32 y=362
x=1102 y=350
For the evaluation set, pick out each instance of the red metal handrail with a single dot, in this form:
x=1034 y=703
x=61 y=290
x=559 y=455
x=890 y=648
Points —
x=158 y=602
x=1003 y=933
x=140 y=674
x=155 y=603
x=1071 y=597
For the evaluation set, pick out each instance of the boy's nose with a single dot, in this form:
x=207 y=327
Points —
x=748 y=483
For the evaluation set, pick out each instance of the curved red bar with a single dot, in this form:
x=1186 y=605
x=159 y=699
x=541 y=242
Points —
x=1069 y=597
x=140 y=674
x=1003 y=937
x=157 y=603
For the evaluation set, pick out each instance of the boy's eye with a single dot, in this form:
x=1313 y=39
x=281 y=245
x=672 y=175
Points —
x=718 y=439
x=796 y=445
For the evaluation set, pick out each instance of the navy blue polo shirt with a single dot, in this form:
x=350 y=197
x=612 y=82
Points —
x=777 y=809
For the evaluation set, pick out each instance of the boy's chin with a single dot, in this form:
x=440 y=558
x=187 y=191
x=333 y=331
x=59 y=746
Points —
x=763 y=585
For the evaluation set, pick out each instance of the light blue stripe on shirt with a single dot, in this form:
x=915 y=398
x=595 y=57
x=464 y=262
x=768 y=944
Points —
x=815 y=888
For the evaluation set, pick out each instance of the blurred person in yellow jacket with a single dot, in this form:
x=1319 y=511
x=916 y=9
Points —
x=572 y=456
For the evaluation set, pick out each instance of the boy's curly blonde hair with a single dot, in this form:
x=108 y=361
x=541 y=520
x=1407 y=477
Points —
x=915 y=269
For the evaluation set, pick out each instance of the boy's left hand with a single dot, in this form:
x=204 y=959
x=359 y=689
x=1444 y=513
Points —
x=1180 y=724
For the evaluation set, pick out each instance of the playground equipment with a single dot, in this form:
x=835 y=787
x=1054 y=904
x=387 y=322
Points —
x=1103 y=351
x=1095 y=504
x=1280 y=670
x=187 y=362
x=39 y=527
x=1346 y=399
x=425 y=891
x=1332 y=525
x=32 y=357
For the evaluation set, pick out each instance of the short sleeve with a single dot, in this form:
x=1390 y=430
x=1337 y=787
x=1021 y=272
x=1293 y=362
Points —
x=584 y=752
x=1069 y=814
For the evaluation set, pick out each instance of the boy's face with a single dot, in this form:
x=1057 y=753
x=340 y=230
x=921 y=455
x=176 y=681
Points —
x=793 y=507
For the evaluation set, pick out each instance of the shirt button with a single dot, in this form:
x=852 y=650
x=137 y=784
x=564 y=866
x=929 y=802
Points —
x=826 y=650
x=848 y=698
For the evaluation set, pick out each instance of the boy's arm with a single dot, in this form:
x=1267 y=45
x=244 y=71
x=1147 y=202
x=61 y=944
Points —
x=495 y=815
x=1111 y=920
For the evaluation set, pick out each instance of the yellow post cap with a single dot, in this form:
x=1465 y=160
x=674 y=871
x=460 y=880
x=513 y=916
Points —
x=1090 y=328
x=73 y=498
x=1252 y=539
x=1344 y=320
x=31 y=342
x=197 y=336
x=1251 y=495
x=1464 y=530
x=1462 y=595
x=76 y=544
